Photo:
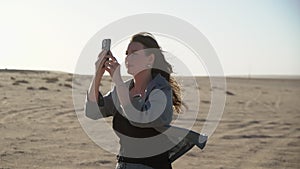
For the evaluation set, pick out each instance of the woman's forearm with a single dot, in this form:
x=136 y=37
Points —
x=122 y=91
x=94 y=88
x=95 y=84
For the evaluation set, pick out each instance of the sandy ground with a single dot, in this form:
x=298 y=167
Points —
x=40 y=129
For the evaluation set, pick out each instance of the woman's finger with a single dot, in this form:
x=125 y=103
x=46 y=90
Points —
x=100 y=63
x=112 y=63
x=108 y=70
x=112 y=57
x=107 y=64
x=102 y=54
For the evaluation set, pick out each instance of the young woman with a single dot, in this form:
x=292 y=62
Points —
x=141 y=107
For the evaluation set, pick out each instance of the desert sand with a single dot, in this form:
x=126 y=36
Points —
x=40 y=129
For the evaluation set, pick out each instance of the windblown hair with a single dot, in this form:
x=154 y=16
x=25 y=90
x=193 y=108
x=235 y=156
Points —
x=160 y=65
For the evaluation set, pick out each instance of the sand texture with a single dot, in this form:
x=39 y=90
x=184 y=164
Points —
x=40 y=129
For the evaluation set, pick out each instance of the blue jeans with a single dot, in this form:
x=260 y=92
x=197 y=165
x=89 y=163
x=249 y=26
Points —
x=123 y=165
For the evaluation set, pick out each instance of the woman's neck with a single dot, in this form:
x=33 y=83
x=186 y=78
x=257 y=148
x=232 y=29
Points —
x=141 y=80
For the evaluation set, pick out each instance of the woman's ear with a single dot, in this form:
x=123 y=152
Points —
x=151 y=58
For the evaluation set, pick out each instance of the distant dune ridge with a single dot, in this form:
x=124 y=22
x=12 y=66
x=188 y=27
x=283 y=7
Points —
x=39 y=127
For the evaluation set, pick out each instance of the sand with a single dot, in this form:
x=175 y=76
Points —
x=40 y=129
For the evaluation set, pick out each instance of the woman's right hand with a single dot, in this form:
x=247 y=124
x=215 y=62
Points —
x=99 y=64
x=100 y=69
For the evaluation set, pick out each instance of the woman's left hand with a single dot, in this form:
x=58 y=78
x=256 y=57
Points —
x=113 y=68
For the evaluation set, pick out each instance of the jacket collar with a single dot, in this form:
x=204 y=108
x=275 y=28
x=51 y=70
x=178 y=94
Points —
x=158 y=82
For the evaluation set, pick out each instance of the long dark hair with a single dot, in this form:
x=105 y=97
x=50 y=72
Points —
x=160 y=65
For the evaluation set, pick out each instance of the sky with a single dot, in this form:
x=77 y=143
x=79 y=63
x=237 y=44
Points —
x=249 y=36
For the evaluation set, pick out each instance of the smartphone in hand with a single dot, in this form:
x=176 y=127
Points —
x=106 y=46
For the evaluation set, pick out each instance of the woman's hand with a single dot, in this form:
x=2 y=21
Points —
x=113 y=68
x=99 y=64
x=100 y=69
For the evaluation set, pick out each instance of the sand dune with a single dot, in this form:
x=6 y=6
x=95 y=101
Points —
x=39 y=127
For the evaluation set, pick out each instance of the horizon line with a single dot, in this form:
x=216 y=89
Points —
x=252 y=76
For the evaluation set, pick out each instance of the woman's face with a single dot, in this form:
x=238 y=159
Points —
x=136 y=59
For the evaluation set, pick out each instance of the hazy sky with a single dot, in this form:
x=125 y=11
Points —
x=249 y=36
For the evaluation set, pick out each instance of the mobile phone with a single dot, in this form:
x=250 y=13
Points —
x=106 y=45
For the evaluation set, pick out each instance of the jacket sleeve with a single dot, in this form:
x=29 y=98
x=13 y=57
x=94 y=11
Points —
x=155 y=111
x=103 y=108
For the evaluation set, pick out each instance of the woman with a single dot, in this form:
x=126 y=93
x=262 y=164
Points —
x=142 y=107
